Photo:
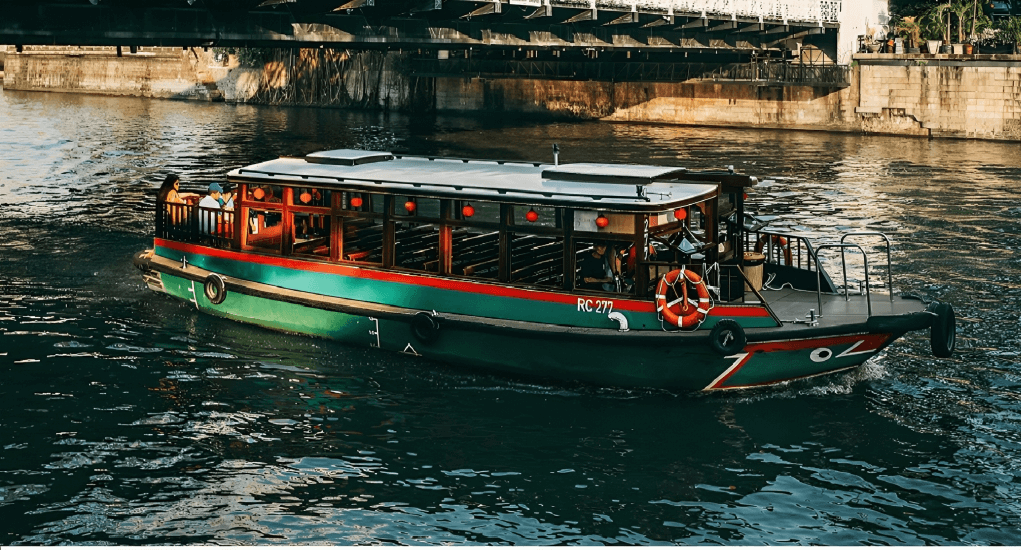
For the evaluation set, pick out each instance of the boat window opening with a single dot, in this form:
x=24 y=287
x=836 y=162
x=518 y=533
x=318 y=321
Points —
x=362 y=205
x=361 y=227
x=537 y=260
x=419 y=208
x=416 y=246
x=377 y=204
x=607 y=269
x=475 y=253
x=362 y=240
x=527 y=216
x=730 y=233
x=357 y=202
x=311 y=234
x=268 y=194
x=604 y=223
x=265 y=228
x=311 y=197
x=477 y=212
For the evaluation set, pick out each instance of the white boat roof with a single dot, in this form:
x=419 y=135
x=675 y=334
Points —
x=625 y=187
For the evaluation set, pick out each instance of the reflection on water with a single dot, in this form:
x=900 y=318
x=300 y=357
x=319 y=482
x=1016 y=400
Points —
x=130 y=418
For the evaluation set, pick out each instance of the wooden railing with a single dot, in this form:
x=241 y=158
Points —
x=193 y=224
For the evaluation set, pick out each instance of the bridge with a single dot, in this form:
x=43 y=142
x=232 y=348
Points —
x=748 y=26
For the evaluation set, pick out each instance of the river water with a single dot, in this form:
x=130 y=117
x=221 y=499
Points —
x=126 y=417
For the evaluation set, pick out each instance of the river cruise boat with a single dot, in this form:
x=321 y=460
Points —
x=609 y=274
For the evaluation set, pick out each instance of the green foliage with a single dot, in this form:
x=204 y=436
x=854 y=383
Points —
x=909 y=29
x=902 y=8
x=1010 y=30
x=247 y=57
x=941 y=19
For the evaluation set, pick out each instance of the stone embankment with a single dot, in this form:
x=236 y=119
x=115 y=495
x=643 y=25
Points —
x=936 y=96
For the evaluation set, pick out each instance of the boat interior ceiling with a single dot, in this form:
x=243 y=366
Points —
x=516 y=223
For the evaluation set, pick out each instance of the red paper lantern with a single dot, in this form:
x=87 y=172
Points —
x=258 y=193
x=532 y=215
x=356 y=202
x=409 y=206
x=305 y=197
x=468 y=210
x=602 y=221
x=680 y=213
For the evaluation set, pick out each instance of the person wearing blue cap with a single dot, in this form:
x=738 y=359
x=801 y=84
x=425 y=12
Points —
x=209 y=203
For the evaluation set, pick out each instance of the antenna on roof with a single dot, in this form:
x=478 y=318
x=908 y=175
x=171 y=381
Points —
x=556 y=155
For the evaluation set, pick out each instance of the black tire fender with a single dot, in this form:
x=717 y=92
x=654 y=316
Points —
x=215 y=288
x=727 y=337
x=425 y=327
x=943 y=332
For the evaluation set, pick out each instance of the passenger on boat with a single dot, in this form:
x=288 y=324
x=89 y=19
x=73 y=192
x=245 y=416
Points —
x=596 y=273
x=227 y=199
x=170 y=193
x=207 y=205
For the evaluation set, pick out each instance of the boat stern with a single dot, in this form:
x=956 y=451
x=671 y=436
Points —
x=150 y=276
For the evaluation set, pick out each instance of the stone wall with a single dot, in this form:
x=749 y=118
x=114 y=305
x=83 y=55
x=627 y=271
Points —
x=148 y=72
x=942 y=96
x=911 y=95
x=702 y=103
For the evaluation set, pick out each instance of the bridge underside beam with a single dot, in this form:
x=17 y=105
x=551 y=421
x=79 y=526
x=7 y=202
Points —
x=367 y=24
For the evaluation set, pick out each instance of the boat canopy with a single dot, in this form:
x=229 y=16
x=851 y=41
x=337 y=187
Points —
x=616 y=187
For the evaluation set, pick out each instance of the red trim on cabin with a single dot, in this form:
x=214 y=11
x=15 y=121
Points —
x=490 y=289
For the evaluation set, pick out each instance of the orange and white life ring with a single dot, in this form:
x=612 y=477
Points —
x=681 y=312
x=777 y=242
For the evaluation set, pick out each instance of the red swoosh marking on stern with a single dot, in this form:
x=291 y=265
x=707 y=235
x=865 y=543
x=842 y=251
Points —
x=863 y=343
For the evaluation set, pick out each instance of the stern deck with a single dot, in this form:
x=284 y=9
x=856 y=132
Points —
x=793 y=307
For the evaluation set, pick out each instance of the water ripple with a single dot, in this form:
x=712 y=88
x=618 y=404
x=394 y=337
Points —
x=131 y=419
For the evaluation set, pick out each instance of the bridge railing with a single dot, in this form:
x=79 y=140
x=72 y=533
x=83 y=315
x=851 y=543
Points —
x=767 y=73
x=779 y=10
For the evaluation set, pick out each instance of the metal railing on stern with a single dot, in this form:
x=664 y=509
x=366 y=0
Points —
x=843 y=245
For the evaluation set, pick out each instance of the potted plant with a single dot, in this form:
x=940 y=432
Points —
x=911 y=31
x=870 y=40
x=937 y=25
x=980 y=22
x=1009 y=30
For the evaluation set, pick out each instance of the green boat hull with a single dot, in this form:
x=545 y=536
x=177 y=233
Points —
x=676 y=361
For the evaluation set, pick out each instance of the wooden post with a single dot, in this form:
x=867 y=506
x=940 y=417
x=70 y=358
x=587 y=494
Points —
x=569 y=255
x=641 y=251
x=506 y=211
x=336 y=227
x=287 y=222
x=446 y=238
x=389 y=239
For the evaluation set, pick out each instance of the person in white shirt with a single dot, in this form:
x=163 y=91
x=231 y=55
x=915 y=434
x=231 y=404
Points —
x=209 y=209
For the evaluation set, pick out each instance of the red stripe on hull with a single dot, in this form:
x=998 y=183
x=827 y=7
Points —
x=433 y=282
